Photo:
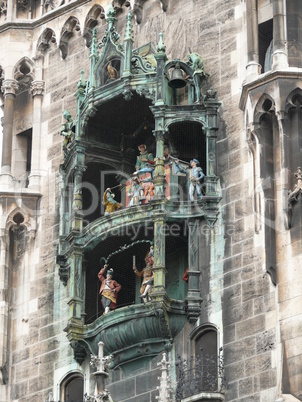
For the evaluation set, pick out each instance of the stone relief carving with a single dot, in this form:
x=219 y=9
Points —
x=293 y=196
x=3 y=7
x=52 y=4
x=22 y=4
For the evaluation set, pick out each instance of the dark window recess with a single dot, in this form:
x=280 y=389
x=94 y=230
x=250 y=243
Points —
x=265 y=36
x=204 y=371
x=186 y=140
x=74 y=390
x=27 y=136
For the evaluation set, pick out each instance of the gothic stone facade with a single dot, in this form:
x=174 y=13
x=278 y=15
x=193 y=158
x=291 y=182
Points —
x=242 y=243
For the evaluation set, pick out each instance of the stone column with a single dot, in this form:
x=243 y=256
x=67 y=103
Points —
x=128 y=42
x=193 y=299
x=11 y=11
x=284 y=162
x=9 y=88
x=159 y=291
x=253 y=67
x=3 y=308
x=75 y=287
x=77 y=217
x=159 y=174
x=211 y=134
x=161 y=58
x=37 y=89
x=280 y=60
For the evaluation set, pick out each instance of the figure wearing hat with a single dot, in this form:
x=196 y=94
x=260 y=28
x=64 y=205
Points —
x=109 y=202
x=145 y=160
x=196 y=176
x=109 y=288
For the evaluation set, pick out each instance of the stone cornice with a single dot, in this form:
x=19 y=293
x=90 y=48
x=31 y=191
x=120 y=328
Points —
x=291 y=73
x=25 y=24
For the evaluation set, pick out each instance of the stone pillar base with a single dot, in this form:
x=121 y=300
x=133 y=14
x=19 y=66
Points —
x=34 y=182
x=253 y=70
x=6 y=182
x=280 y=61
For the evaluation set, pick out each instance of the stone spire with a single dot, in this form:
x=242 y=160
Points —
x=165 y=381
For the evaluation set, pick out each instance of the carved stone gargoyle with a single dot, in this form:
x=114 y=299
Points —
x=293 y=197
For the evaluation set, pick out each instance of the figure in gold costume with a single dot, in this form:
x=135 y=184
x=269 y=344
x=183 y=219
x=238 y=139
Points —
x=109 y=202
x=148 y=276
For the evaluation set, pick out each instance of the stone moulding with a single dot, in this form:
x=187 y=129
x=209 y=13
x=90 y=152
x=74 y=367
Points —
x=205 y=397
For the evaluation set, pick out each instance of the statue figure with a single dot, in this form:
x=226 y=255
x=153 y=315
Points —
x=148 y=278
x=199 y=76
x=150 y=255
x=149 y=190
x=135 y=192
x=112 y=72
x=67 y=129
x=109 y=202
x=196 y=176
x=145 y=160
x=109 y=288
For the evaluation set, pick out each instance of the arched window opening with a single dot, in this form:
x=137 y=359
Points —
x=186 y=141
x=203 y=371
x=18 y=239
x=265 y=33
x=23 y=157
x=96 y=179
x=72 y=388
x=122 y=265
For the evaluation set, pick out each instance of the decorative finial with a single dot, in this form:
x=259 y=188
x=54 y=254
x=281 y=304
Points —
x=129 y=32
x=161 y=47
x=82 y=83
x=111 y=20
x=93 y=47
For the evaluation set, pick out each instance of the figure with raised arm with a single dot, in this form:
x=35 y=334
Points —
x=196 y=176
x=109 y=288
x=109 y=202
x=148 y=278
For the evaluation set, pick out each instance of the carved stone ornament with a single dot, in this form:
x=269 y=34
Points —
x=148 y=94
x=53 y=3
x=293 y=196
x=3 y=7
x=37 y=88
x=79 y=351
x=10 y=86
x=22 y=4
x=127 y=94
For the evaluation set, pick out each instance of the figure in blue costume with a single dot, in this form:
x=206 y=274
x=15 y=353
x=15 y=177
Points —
x=135 y=193
x=196 y=176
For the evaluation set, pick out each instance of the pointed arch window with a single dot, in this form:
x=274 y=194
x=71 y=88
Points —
x=72 y=388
